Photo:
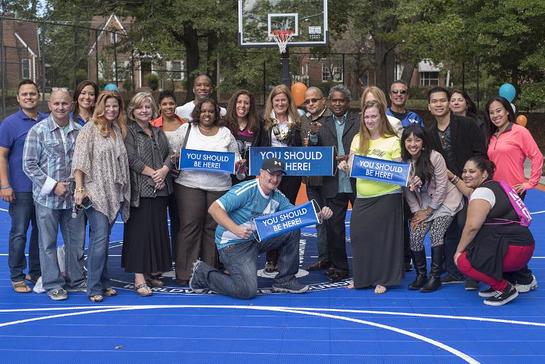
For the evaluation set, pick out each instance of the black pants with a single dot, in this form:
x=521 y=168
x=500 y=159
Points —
x=336 y=229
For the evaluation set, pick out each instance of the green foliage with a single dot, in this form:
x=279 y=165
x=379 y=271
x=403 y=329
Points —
x=153 y=81
x=532 y=96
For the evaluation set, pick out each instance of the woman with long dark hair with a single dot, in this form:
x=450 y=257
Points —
x=85 y=98
x=433 y=201
x=245 y=126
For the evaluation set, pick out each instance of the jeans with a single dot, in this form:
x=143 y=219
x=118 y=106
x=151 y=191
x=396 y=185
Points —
x=22 y=213
x=97 y=257
x=73 y=234
x=241 y=262
x=313 y=193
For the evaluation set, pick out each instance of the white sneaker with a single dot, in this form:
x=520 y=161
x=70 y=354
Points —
x=524 y=288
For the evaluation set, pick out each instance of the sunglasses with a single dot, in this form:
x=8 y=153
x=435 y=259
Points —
x=399 y=92
x=311 y=101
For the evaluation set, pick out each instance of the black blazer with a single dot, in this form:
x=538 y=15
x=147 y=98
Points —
x=327 y=136
x=467 y=141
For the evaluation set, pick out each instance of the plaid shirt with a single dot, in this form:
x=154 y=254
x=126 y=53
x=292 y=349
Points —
x=47 y=159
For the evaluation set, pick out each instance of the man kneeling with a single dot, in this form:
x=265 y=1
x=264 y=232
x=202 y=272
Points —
x=238 y=248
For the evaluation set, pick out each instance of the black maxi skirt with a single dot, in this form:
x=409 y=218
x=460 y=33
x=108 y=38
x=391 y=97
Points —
x=376 y=234
x=146 y=247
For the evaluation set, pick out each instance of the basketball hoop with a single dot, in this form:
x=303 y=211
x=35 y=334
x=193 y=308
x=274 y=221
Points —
x=282 y=37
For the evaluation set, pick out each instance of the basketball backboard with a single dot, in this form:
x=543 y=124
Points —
x=259 y=19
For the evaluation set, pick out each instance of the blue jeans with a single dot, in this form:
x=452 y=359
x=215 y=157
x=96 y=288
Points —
x=22 y=213
x=73 y=234
x=313 y=193
x=97 y=256
x=240 y=260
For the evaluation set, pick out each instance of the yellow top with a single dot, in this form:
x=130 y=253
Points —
x=382 y=148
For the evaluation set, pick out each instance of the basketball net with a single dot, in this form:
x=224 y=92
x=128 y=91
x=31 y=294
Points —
x=282 y=37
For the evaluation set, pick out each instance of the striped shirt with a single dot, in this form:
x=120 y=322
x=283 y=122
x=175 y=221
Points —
x=47 y=159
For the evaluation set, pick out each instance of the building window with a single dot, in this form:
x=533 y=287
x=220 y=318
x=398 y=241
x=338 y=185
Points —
x=176 y=70
x=25 y=68
x=429 y=78
x=113 y=37
x=332 y=73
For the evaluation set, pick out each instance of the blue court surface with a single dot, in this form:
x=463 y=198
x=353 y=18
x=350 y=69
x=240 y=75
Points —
x=330 y=324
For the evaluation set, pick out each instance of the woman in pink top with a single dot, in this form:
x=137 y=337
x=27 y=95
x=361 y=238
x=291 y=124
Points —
x=509 y=146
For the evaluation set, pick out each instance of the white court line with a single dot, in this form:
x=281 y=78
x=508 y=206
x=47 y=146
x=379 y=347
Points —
x=295 y=310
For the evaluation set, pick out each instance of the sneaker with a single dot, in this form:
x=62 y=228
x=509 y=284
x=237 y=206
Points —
x=81 y=288
x=58 y=294
x=450 y=279
x=471 y=285
x=490 y=292
x=197 y=282
x=501 y=298
x=291 y=286
x=524 y=288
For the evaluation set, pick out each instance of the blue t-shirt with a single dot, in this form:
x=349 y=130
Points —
x=410 y=117
x=243 y=203
x=13 y=132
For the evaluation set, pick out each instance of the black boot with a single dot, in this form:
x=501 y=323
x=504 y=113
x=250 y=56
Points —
x=434 y=283
x=419 y=260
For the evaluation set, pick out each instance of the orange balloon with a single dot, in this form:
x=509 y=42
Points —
x=298 y=90
x=522 y=120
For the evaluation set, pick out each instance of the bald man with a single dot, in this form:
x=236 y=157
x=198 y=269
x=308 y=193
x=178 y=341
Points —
x=202 y=89
x=47 y=161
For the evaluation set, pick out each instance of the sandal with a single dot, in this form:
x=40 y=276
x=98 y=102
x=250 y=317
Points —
x=21 y=287
x=380 y=289
x=143 y=290
x=96 y=298
x=110 y=292
x=154 y=281
x=350 y=285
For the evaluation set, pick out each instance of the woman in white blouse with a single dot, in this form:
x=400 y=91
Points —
x=195 y=190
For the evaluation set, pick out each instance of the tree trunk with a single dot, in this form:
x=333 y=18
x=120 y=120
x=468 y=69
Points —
x=407 y=74
x=190 y=40
x=384 y=64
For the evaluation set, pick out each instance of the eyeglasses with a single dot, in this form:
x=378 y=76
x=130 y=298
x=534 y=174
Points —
x=311 y=101
x=399 y=92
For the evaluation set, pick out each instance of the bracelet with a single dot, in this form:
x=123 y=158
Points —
x=5 y=187
x=81 y=189
x=454 y=180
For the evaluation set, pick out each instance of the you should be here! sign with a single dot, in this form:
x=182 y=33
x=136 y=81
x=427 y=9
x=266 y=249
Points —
x=221 y=162
x=282 y=222
x=299 y=161
x=380 y=170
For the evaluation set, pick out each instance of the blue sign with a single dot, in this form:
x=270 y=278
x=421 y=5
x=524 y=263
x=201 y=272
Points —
x=284 y=221
x=300 y=161
x=203 y=160
x=380 y=170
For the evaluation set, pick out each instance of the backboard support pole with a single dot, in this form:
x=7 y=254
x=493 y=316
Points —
x=285 y=59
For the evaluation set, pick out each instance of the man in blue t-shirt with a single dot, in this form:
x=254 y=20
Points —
x=399 y=94
x=16 y=187
x=238 y=248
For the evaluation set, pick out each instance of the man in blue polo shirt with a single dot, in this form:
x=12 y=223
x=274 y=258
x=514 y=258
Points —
x=16 y=187
x=238 y=249
x=399 y=94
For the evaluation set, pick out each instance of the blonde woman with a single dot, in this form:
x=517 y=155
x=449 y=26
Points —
x=101 y=171
x=373 y=93
x=146 y=251
x=282 y=128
